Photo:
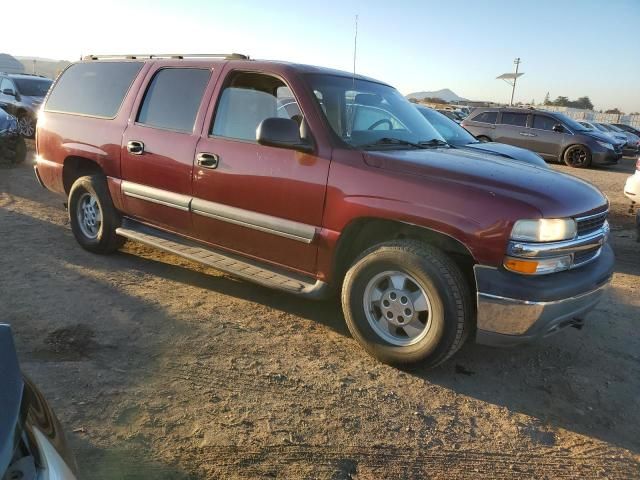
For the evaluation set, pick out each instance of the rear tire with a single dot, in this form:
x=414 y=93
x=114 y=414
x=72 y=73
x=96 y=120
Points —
x=406 y=303
x=577 y=156
x=92 y=216
x=483 y=138
x=26 y=125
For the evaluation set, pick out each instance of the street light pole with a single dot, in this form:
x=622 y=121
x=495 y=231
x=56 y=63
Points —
x=515 y=78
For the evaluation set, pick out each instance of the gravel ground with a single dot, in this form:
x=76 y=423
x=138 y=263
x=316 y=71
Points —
x=160 y=368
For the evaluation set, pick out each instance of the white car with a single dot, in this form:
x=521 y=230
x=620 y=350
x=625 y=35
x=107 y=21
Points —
x=632 y=191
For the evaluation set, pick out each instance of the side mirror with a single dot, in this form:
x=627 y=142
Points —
x=8 y=91
x=558 y=127
x=283 y=133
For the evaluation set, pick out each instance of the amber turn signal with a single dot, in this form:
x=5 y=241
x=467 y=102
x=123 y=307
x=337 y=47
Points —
x=528 y=267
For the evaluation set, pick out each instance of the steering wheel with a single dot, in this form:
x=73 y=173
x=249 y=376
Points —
x=380 y=122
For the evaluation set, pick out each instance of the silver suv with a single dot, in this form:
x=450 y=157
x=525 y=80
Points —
x=21 y=95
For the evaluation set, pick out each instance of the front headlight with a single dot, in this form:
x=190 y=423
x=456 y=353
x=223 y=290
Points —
x=605 y=145
x=544 y=230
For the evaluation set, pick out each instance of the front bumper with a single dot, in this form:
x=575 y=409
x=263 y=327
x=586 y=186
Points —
x=632 y=187
x=606 y=157
x=514 y=309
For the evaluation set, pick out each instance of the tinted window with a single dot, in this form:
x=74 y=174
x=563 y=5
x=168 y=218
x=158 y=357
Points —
x=173 y=98
x=453 y=133
x=543 y=122
x=33 y=87
x=518 y=119
x=6 y=84
x=486 y=117
x=93 y=88
x=247 y=100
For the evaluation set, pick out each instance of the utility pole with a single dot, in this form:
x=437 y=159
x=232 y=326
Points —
x=34 y=66
x=511 y=78
x=515 y=78
x=355 y=49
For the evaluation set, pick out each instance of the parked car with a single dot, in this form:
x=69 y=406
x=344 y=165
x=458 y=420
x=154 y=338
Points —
x=32 y=442
x=451 y=114
x=632 y=192
x=632 y=146
x=616 y=139
x=12 y=146
x=21 y=95
x=427 y=244
x=458 y=137
x=553 y=135
x=627 y=128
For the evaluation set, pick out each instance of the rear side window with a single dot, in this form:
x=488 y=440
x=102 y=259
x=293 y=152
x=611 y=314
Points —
x=96 y=89
x=543 y=122
x=173 y=98
x=486 y=117
x=517 y=119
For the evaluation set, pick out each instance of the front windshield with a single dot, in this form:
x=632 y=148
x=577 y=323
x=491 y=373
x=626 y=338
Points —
x=615 y=129
x=33 y=87
x=570 y=122
x=453 y=133
x=367 y=114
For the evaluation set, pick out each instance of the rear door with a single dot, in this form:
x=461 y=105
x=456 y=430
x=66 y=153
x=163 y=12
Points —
x=512 y=129
x=544 y=140
x=261 y=201
x=159 y=144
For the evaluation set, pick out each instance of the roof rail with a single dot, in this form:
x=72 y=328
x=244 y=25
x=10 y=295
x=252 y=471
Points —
x=179 y=56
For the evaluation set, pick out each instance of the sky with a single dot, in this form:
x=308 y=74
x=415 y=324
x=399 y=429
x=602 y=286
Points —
x=569 y=48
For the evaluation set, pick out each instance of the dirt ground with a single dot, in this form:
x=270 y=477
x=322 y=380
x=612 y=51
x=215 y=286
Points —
x=162 y=369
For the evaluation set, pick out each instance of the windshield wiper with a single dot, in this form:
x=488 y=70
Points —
x=398 y=141
x=434 y=143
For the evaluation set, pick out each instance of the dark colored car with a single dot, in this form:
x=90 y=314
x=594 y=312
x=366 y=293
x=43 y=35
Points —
x=350 y=191
x=21 y=95
x=627 y=128
x=553 y=135
x=12 y=146
x=458 y=137
x=32 y=442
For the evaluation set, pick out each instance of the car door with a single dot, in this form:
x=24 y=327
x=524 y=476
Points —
x=159 y=144
x=261 y=201
x=512 y=129
x=544 y=139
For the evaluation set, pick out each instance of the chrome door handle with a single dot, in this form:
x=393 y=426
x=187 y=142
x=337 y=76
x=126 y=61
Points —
x=207 y=160
x=135 y=147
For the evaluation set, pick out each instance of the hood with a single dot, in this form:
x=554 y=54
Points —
x=11 y=387
x=601 y=136
x=507 y=151
x=552 y=194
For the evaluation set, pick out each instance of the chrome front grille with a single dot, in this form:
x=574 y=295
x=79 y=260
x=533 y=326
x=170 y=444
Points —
x=591 y=223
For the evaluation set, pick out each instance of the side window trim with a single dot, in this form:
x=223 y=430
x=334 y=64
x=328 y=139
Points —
x=152 y=75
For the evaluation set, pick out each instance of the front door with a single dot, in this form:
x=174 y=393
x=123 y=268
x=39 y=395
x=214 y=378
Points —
x=512 y=129
x=261 y=201
x=544 y=140
x=158 y=147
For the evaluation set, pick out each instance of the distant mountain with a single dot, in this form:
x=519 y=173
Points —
x=444 y=94
x=43 y=66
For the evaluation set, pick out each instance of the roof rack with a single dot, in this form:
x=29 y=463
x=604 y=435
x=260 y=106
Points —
x=179 y=56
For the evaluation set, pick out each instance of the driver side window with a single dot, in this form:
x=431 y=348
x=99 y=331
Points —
x=374 y=118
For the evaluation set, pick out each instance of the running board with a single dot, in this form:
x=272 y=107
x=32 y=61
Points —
x=235 y=265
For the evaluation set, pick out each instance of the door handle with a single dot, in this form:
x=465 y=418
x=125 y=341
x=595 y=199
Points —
x=207 y=160
x=525 y=134
x=135 y=147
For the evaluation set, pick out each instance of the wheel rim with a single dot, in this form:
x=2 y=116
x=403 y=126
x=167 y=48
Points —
x=577 y=156
x=26 y=126
x=398 y=309
x=89 y=216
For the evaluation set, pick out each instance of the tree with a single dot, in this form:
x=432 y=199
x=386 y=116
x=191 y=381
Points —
x=547 y=99
x=613 y=110
x=561 y=102
x=583 y=102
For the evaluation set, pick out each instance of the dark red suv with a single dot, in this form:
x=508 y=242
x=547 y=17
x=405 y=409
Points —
x=316 y=181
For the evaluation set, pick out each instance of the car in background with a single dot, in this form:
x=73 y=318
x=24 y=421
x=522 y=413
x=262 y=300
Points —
x=598 y=127
x=452 y=114
x=633 y=141
x=21 y=95
x=552 y=135
x=458 y=137
x=632 y=192
x=32 y=442
x=627 y=128
x=12 y=146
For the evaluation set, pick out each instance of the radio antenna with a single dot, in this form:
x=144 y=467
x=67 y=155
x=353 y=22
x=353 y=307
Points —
x=355 y=49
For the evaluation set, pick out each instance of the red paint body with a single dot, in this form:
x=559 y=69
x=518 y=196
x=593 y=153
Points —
x=471 y=199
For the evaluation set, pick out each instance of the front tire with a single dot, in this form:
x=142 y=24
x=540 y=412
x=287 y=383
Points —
x=406 y=302
x=577 y=156
x=26 y=125
x=92 y=216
